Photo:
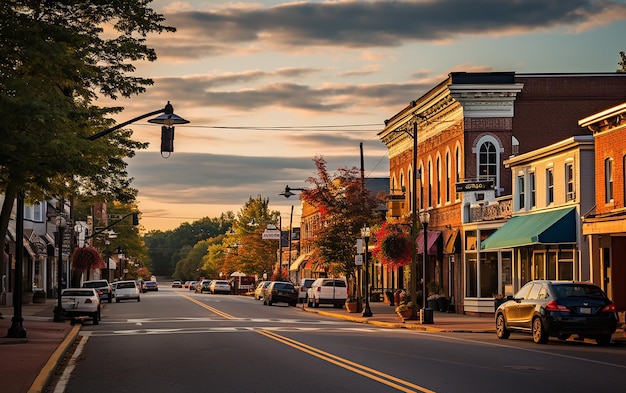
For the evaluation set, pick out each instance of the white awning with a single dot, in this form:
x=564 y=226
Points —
x=295 y=266
x=112 y=264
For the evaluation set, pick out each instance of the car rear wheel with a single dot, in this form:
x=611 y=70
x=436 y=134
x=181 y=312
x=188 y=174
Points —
x=603 y=339
x=138 y=299
x=540 y=336
x=501 y=330
x=117 y=300
x=109 y=300
x=96 y=317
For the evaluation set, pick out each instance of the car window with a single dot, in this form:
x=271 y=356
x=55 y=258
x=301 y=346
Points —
x=126 y=285
x=94 y=284
x=534 y=292
x=570 y=291
x=543 y=293
x=340 y=283
x=77 y=293
x=280 y=285
x=523 y=293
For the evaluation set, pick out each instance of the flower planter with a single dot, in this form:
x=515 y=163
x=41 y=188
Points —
x=353 y=306
x=405 y=314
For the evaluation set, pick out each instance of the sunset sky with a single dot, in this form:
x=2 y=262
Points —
x=267 y=86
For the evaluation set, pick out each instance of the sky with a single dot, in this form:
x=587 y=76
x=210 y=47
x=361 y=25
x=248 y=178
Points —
x=267 y=86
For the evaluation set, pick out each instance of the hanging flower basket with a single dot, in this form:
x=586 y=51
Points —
x=86 y=258
x=393 y=246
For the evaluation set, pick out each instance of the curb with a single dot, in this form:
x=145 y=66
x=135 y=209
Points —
x=46 y=373
x=398 y=325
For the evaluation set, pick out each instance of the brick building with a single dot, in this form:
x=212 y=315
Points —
x=466 y=127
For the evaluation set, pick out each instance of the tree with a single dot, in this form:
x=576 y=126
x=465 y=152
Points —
x=55 y=59
x=344 y=206
x=622 y=63
x=254 y=255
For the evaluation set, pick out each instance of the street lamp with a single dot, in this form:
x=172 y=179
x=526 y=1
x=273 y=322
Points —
x=287 y=193
x=120 y=257
x=427 y=314
x=61 y=225
x=365 y=234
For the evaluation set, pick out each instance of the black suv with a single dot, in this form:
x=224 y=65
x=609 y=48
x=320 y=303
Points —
x=558 y=309
x=280 y=291
x=102 y=287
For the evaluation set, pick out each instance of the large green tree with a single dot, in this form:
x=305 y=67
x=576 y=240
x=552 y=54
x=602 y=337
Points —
x=55 y=59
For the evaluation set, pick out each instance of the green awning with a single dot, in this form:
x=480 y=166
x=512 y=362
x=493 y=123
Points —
x=552 y=227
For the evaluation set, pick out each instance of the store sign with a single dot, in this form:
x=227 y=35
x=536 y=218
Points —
x=270 y=234
x=474 y=186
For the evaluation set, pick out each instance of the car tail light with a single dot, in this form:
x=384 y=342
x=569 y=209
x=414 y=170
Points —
x=318 y=289
x=554 y=306
x=88 y=301
x=100 y=293
x=609 y=308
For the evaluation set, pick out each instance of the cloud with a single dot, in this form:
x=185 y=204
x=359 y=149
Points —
x=195 y=178
x=371 y=24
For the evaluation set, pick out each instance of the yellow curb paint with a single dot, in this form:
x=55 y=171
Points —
x=48 y=369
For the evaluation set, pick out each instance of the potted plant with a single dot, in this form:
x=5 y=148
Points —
x=39 y=296
x=432 y=301
x=353 y=304
x=405 y=307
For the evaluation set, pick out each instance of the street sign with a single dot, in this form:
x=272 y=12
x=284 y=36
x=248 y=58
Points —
x=270 y=234
x=358 y=259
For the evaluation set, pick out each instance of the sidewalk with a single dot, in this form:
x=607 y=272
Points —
x=29 y=363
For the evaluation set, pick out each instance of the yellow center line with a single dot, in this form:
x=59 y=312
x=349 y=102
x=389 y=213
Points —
x=386 y=379
x=206 y=306
x=367 y=372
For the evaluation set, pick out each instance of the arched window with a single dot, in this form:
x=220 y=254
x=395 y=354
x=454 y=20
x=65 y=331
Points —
x=438 y=168
x=457 y=177
x=429 y=192
x=488 y=151
x=421 y=194
x=608 y=180
x=447 y=184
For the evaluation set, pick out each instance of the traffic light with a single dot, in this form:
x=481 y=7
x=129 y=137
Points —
x=167 y=139
x=135 y=218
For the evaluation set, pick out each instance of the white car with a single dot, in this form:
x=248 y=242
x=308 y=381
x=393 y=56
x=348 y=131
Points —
x=303 y=289
x=81 y=302
x=123 y=290
x=220 y=286
x=328 y=291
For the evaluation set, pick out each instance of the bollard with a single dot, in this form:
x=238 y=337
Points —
x=426 y=316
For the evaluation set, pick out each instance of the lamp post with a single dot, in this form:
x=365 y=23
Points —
x=427 y=314
x=120 y=258
x=287 y=193
x=17 y=329
x=58 y=311
x=365 y=234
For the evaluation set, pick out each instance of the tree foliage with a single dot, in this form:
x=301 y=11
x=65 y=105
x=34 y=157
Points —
x=345 y=206
x=55 y=59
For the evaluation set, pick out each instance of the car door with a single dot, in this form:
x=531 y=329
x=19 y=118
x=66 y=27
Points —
x=526 y=308
x=512 y=309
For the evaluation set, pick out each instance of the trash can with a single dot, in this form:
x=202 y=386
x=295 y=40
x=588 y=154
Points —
x=426 y=316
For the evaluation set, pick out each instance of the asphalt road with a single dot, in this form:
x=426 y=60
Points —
x=176 y=340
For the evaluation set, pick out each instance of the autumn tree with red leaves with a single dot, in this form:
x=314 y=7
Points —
x=344 y=206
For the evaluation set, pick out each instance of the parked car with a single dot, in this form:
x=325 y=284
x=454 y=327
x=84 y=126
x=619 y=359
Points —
x=259 y=291
x=151 y=286
x=328 y=291
x=280 y=292
x=558 y=309
x=303 y=289
x=220 y=286
x=102 y=287
x=81 y=302
x=203 y=286
x=186 y=284
x=177 y=284
x=124 y=290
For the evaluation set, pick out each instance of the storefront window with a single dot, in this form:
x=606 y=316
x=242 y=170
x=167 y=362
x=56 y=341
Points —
x=507 y=274
x=471 y=275
x=566 y=264
x=488 y=274
x=470 y=240
x=539 y=272
x=551 y=265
